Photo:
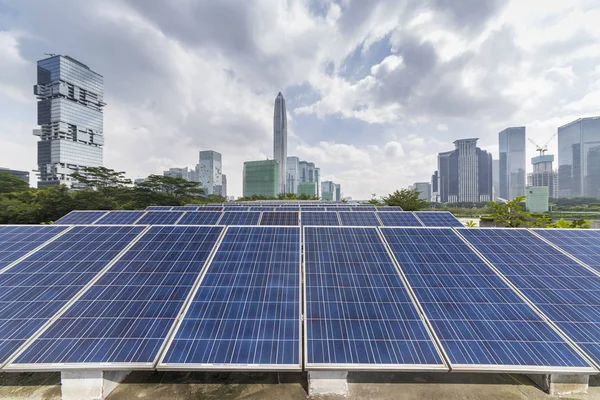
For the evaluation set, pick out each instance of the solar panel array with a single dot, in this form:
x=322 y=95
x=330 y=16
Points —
x=80 y=217
x=437 y=218
x=581 y=243
x=398 y=218
x=279 y=218
x=321 y=218
x=18 y=240
x=120 y=218
x=356 y=218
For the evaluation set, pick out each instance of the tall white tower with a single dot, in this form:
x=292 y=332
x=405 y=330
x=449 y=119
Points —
x=280 y=140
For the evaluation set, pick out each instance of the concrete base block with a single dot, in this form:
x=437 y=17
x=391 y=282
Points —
x=89 y=385
x=322 y=383
x=561 y=384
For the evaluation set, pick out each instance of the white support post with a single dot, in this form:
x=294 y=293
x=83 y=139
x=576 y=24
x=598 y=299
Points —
x=559 y=384
x=324 y=383
x=89 y=385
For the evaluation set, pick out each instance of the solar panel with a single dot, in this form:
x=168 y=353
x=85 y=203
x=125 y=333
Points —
x=159 y=208
x=279 y=218
x=80 y=217
x=18 y=240
x=581 y=243
x=567 y=293
x=210 y=208
x=369 y=207
x=240 y=218
x=296 y=208
x=358 y=218
x=358 y=313
x=437 y=218
x=482 y=324
x=339 y=208
x=389 y=208
x=160 y=218
x=398 y=218
x=261 y=208
x=120 y=218
x=124 y=318
x=200 y=218
x=320 y=218
x=33 y=290
x=311 y=208
x=246 y=311
x=186 y=208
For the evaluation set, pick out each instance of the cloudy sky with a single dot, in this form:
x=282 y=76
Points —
x=374 y=89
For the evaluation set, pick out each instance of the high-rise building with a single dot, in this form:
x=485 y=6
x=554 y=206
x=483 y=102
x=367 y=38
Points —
x=307 y=188
x=435 y=191
x=465 y=173
x=424 y=189
x=69 y=112
x=495 y=179
x=280 y=140
x=293 y=172
x=331 y=191
x=209 y=172
x=23 y=175
x=512 y=162
x=261 y=178
x=543 y=174
x=338 y=192
x=579 y=158
x=309 y=173
x=183 y=173
x=224 y=185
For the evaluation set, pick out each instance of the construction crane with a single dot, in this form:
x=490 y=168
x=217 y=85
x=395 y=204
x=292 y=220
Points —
x=544 y=148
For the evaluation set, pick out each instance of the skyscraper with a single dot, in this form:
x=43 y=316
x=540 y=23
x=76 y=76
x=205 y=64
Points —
x=261 y=178
x=293 y=172
x=424 y=189
x=280 y=139
x=209 y=172
x=543 y=174
x=69 y=112
x=579 y=158
x=512 y=162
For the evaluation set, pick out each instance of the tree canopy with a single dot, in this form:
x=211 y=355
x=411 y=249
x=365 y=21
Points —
x=407 y=199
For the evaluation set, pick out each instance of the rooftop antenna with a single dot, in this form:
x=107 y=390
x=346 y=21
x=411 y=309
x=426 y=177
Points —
x=543 y=148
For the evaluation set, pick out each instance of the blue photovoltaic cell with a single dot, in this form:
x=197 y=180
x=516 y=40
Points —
x=320 y=218
x=338 y=209
x=398 y=218
x=80 y=217
x=358 y=311
x=120 y=218
x=159 y=208
x=279 y=218
x=188 y=208
x=312 y=208
x=389 y=208
x=33 y=290
x=126 y=315
x=18 y=240
x=566 y=292
x=478 y=318
x=261 y=208
x=359 y=218
x=160 y=218
x=210 y=208
x=288 y=208
x=246 y=311
x=240 y=218
x=365 y=207
x=200 y=218
x=438 y=218
x=581 y=243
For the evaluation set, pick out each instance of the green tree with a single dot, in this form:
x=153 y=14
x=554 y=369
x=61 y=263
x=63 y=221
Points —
x=511 y=214
x=11 y=184
x=407 y=199
x=102 y=179
x=374 y=200
x=54 y=202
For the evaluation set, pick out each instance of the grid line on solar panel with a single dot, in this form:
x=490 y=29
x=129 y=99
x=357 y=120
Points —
x=398 y=218
x=437 y=219
x=358 y=312
x=482 y=324
x=160 y=218
x=159 y=208
x=359 y=218
x=271 y=218
x=319 y=218
x=240 y=218
x=245 y=314
x=125 y=317
x=210 y=208
x=185 y=208
x=582 y=244
x=80 y=217
x=17 y=241
x=564 y=291
x=200 y=218
x=120 y=218
x=35 y=289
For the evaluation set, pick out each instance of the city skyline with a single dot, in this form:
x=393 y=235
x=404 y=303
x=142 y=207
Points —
x=362 y=106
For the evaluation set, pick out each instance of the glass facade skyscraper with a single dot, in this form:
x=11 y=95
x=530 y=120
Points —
x=293 y=172
x=512 y=162
x=280 y=140
x=579 y=158
x=261 y=178
x=210 y=172
x=69 y=112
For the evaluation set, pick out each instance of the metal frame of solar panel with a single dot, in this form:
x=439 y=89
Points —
x=583 y=244
x=160 y=218
x=159 y=208
x=124 y=319
x=560 y=288
x=319 y=218
x=351 y=266
x=389 y=208
x=438 y=219
x=338 y=208
x=359 y=218
x=248 y=218
x=261 y=208
x=483 y=325
x=280 y=218
x=18 y=241
x=184 y=208
x=398 y=218
x=200 y=218
x=232 y=277
x=210 y=208
x=33 y=290
x=120 y=218
x=80 y=218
